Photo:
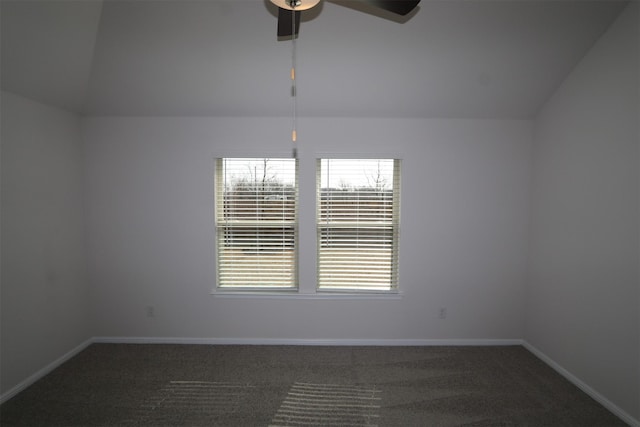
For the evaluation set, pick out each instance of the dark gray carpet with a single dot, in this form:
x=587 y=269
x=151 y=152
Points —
x=206 y=385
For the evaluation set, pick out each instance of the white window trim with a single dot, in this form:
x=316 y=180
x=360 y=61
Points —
x=307 y=287
x=249 y=290
x=354 y=229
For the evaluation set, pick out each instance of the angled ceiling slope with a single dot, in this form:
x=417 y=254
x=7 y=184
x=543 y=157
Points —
x=47 y=49
x=450 y=58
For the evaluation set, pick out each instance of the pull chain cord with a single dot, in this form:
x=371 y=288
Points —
x=294 y=91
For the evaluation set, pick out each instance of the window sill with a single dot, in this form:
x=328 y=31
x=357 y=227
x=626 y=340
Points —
x=312 y=296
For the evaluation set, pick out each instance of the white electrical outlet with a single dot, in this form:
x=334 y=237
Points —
x=442 y=313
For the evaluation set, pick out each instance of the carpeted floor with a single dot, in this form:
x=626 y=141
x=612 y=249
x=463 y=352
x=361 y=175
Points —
x=207 y=385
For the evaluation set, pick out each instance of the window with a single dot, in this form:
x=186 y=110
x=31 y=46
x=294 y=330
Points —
x=358 y=224
x=256 y=224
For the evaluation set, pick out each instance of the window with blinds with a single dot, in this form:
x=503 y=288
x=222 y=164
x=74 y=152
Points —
x=358 y=215
x=256 y=223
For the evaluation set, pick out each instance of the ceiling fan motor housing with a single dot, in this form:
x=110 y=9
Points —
x=295 y=4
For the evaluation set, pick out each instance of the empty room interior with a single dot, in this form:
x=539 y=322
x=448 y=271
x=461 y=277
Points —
x=215 y=175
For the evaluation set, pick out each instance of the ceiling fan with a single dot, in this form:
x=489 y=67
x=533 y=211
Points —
x=289 y=11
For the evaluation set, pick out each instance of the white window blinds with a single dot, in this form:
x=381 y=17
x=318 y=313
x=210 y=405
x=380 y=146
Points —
x=358 y=216
x=256 y=223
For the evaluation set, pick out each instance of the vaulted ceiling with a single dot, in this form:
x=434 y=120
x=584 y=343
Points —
x=449 y=58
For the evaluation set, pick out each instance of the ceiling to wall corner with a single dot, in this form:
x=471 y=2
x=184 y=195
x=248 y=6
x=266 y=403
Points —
x=450 y=59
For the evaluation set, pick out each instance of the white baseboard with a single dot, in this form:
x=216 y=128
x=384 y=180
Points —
x=317 y=342
x=624 y=416
x=44 y=371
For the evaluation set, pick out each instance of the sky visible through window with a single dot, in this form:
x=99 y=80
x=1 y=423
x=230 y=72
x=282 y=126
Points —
x=260 y=170
x=339 y=173
x=357 y=173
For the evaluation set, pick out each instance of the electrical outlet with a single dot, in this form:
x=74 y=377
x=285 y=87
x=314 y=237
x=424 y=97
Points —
x=151 y=311
x=442 y=313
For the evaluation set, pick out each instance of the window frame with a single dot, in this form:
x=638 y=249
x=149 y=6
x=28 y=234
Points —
x=221 y=227
x=393 y=225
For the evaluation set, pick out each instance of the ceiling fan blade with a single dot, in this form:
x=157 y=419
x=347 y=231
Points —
x=286 y=24
x=399 y=7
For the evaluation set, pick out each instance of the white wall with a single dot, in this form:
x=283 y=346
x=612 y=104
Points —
x=465 y=213
x=582 y=296
x=45 y=299
x=463 y=233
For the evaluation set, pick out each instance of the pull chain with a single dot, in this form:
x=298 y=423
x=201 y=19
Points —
x=294 y=90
